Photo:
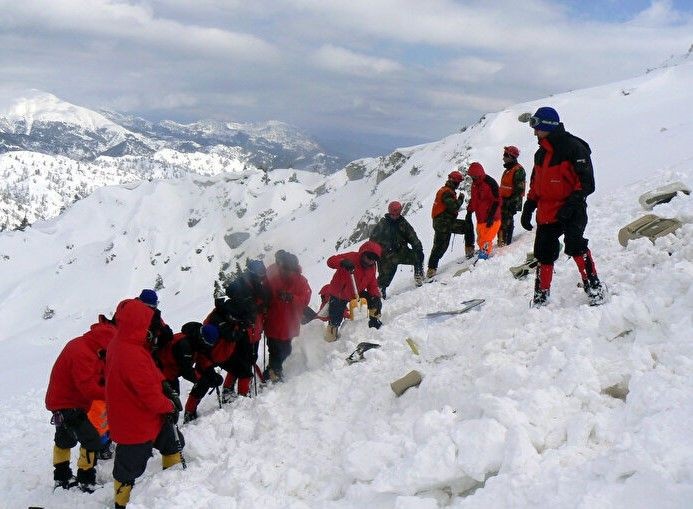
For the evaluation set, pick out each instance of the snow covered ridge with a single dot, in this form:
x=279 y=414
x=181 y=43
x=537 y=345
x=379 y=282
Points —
x=564 y=406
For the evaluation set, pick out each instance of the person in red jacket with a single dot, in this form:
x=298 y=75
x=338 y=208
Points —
x=177 y=357
x=137 y=401
x=289 y=296
x=561 y=180
x=354 y=268
x=485 y=203
x=76 y=380
x=236 y=318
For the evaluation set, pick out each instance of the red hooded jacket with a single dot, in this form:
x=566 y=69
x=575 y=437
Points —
x=134 y=399
x=77 y=376
x=485 y=199
x=283 y=320
x=341 y=285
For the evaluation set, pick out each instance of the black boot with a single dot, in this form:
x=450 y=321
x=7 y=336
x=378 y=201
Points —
x=383 y=292
x=62 y=476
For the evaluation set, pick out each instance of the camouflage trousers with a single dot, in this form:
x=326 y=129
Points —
x=387 y=266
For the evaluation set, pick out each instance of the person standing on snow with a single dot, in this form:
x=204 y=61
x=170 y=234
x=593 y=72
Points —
x=76 y=381
x=142 y=409
x=561 y=180
x=446 y=206
x=353 y=268
x=395 y=235
x=512 y=190
x=289 y=296
x=485 y=204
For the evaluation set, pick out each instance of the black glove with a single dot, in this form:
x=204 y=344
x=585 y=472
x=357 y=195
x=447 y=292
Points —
x=527 y=211
x=489 y=222
x=173 y=396
x=285 y=296
x=347 y=264
x=308 y=315
x=374 y=322
x=573 y=204
x=212 y=378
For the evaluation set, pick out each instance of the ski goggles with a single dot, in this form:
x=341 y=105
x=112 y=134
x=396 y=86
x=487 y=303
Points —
x=536 y=122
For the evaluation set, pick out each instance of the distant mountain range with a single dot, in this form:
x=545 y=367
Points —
x=53 y=153
x=40 y=122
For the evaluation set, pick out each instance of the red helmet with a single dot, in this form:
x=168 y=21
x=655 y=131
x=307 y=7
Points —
x=475 y=170
x=511 y=151
x=394 y=209
x=455 y=176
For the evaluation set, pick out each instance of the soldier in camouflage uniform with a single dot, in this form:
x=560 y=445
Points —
x=512 y=189
x=395 y=235
x=445 y=209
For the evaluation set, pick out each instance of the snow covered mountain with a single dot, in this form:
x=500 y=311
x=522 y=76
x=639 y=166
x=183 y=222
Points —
x=44 y=139
x=564 y=406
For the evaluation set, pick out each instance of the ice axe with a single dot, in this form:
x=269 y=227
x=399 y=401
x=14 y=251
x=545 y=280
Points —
x=356 y=302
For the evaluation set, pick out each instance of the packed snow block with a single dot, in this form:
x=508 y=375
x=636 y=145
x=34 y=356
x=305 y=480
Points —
x=411 y=379
x=662 y=194
x=650 y=226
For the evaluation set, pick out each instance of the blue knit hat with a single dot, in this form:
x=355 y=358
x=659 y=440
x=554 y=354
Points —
x=149 y=298
x=210 y=334
x=545 y=119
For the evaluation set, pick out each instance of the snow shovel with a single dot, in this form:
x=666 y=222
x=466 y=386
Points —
x=662 y=194
x=356 y=302
x=411 y=379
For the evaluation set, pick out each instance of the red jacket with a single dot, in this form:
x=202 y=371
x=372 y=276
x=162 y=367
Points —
x=341 y=285
x=77 y=376
x=167 y=360
x=485 y=199
x=135 y=402
x=562 y=166
x=289 y=295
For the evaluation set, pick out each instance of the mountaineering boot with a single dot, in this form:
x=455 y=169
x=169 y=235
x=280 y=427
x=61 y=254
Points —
x=383 y=292
x=122 y=493
x=541 y=298
x=272 y=375
x=168 y=460
x=86 y=471
x=189 y=416
x=542 y=285
x=190 y=413
x=62 y=473
x=595 y=290
x=431 y=273
x=228 y=395
x=418 y=275
x=331 y=333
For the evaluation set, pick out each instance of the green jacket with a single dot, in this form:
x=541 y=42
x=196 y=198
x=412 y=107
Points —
x=395 y=234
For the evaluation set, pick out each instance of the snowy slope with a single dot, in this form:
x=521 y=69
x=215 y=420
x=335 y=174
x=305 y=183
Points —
x=518 y=407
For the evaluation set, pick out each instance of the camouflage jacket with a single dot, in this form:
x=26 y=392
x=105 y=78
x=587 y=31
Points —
x=395 y=234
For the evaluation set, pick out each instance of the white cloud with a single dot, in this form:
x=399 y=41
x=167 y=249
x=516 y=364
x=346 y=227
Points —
x=345 y=61
x=471 y=69
x=133 y=24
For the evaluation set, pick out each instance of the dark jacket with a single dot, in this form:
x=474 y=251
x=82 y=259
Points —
x=395 y=234
x=176 y=357
x=562 y=167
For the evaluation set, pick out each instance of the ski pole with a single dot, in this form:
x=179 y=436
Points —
x=179 y=446
x=218 y=395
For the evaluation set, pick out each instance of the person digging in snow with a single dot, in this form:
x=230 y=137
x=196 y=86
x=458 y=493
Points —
x=401 y=246
x=359 y=267
x=446 y=206
x=561 y=180
x=289 y=296
x=142 y=408
x=485 y=204
x=177 y=357
x=76 y=381
x=512 y=190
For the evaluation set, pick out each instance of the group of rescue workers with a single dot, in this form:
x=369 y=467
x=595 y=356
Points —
x=130 y=365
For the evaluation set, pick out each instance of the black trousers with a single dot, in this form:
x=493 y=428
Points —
x=279 y=351
x=546 y=245
x=76 y=427
x=130 y=460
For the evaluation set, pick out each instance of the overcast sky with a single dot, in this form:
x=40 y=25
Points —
x=380 y=69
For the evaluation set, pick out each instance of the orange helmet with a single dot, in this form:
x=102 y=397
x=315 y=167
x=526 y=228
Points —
x=455 y=176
